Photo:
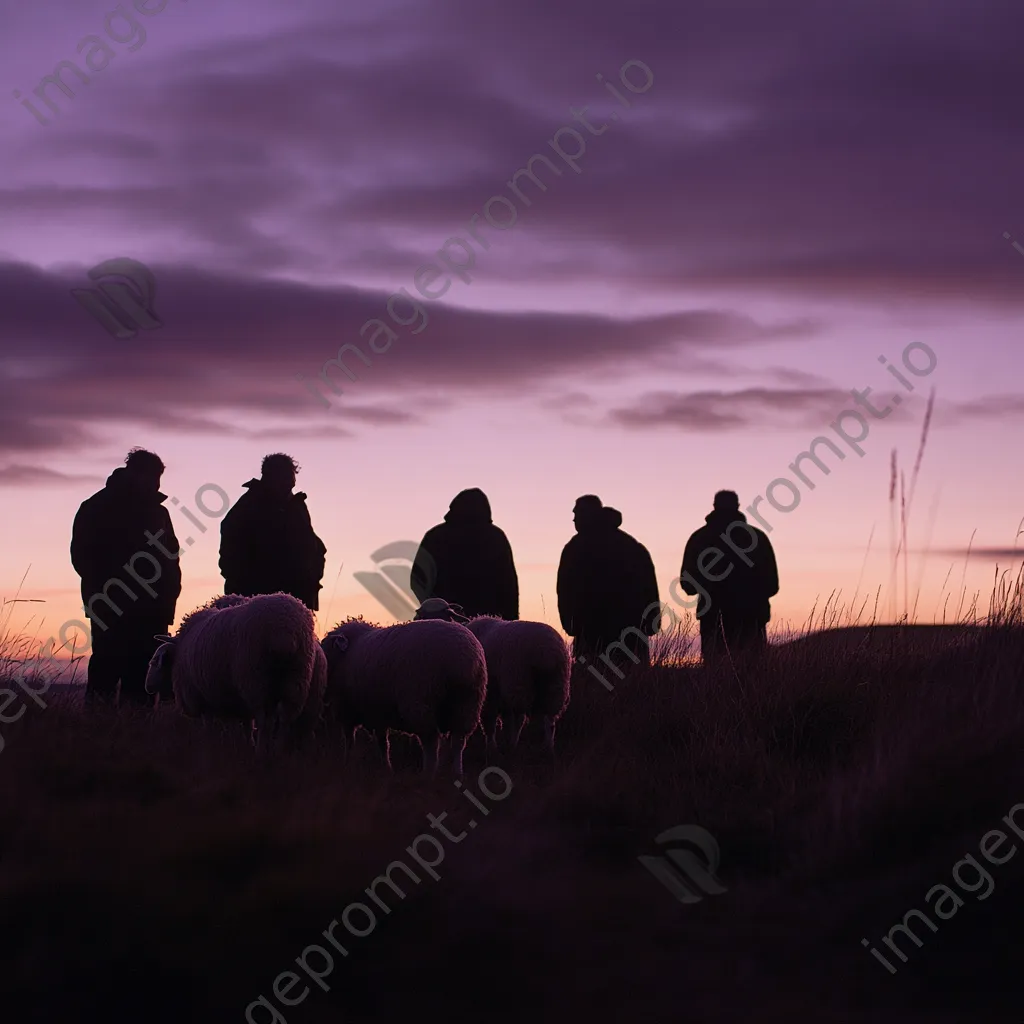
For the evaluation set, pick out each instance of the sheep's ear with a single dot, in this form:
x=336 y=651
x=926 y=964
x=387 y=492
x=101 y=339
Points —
x=164 y=638
x=339 y=643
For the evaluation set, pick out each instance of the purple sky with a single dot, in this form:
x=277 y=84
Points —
x=802 y=188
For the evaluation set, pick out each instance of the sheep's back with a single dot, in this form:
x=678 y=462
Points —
x=528 y=666
x=273 y=651
x=203 y=664
x=418 y=672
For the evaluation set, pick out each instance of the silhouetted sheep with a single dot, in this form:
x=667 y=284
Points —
x=247 y=658
x=528 y=670
x=427 y=679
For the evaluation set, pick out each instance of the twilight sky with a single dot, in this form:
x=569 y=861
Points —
x=803 y=188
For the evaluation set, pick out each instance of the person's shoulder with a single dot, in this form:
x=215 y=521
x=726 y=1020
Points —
x=299 y=506
x=699 y=534
x=439 y=530
x=571 y=545
x=639 y=546
x=96 y=499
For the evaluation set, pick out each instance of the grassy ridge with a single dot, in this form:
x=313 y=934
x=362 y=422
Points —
x=151 y=867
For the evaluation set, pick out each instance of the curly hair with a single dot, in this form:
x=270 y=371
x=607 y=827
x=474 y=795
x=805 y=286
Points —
x=142 y=459
x=278 y=460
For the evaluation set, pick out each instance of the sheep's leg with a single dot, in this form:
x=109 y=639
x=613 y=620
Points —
x=385 y=747
x=549 y=736
x=430 y=746
x=490 y=731
x=458 y=746
x=258 y=732
x=514 y=725
x=348 y=743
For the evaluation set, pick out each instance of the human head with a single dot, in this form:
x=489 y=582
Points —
x=586 y=513
x=727 y=501
x=278 y=472
x=611 y=517
x=469 y=506
x=145 y=468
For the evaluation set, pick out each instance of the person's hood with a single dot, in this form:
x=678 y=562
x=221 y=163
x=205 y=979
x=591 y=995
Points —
x=611 y=517
x=714 y=516
x=121 y=481
x=469 y=507
x=256 y=487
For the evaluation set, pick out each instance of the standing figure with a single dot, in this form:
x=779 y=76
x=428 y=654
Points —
x=123 y=533
x=637 y=606
x=267 y=543
x=467 y=561
x=738 y=574
x=606 y=587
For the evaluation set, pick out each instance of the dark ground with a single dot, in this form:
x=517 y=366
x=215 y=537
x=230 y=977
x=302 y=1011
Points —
x=152 y=870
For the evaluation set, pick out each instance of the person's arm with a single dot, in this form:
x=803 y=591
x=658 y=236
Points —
x=650 y=594
x=171 y=589
x=84 y=547
x=423 y=574
x=771 y=569
x=315 y=552
x=509 y=579
x=319 y=560
x=232 y=554
x=689 y=565
x=565 y=588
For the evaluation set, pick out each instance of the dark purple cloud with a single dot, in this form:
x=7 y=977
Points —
x=810 y=407
x=235 y=344
x=864 y=150
x=881 y=160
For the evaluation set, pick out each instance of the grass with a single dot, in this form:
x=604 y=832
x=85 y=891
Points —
x=152 y=869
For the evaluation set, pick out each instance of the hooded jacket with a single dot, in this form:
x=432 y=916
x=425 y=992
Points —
x=606 y=580
x=639 y=579
x=744 y=590
x=267 y=544
x=467 y=560
x=109 y=531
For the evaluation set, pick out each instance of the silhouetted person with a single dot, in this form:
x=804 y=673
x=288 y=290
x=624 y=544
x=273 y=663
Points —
x=606 y=580
x=467 y=560
x=267 y=543
x=734 y=564
x=636 y=587
x=124 y=548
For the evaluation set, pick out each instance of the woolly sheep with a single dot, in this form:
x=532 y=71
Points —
x=251 y=658
x=427 y=679
x=528 y=670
